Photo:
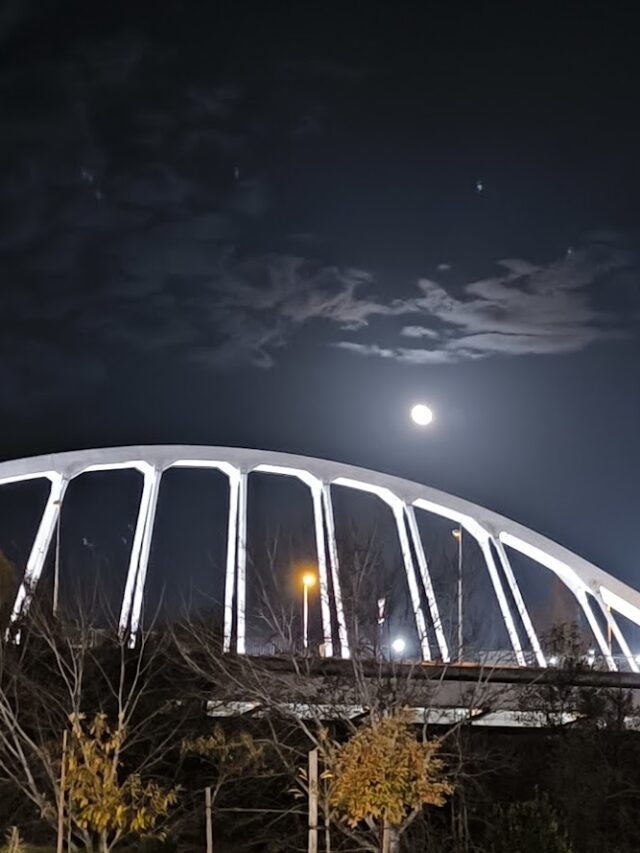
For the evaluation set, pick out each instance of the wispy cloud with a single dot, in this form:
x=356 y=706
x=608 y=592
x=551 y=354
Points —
x=527 y=309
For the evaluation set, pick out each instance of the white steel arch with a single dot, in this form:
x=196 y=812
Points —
x=493 y=532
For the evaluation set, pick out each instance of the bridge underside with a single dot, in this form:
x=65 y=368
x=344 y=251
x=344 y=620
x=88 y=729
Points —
x=436 y=695
x=602 y=599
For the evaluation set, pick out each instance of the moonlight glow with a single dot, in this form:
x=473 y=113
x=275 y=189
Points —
x=421 y=414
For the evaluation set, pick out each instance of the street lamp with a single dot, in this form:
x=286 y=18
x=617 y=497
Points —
x=308 y=580
x=398 y=645
x=421 y=415
x=457 y=535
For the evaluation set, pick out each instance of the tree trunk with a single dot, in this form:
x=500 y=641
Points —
x=390 y=839
x=312 y=846
x=208 y=819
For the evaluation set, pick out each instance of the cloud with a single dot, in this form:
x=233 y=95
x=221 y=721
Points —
x=149 y=236
x=418 y=332
x=527 y=310
x=403 y=354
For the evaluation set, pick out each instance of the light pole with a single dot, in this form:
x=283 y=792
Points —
x=56 y=564
x=381 y=613
x=457 y=535
x=308 y=580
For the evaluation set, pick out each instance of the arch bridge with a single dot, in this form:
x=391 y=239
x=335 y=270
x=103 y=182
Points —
x=595 y=591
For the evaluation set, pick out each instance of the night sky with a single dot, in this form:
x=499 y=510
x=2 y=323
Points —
x=279 y=225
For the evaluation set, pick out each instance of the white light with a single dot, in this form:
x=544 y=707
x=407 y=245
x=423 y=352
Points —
x=553 y=660
x=421 y=414
x=398 y=645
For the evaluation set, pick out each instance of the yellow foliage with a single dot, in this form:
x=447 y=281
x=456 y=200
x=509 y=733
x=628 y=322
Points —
x=98 y=801
x=232 y=755
x=383 y=772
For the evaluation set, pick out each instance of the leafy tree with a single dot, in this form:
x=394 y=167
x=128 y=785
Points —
x=384 y=776
x=103 y=808
x=228 y=757
x=526 y=827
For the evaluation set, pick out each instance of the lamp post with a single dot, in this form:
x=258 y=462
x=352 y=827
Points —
x=457 y=535
x=308 y=580
x=56 y=564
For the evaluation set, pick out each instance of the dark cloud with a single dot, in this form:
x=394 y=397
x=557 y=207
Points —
x=140 y=228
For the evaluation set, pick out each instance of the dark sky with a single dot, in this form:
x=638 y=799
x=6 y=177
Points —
x=279 y=225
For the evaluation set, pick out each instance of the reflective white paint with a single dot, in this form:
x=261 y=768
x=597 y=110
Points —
x=581 y=577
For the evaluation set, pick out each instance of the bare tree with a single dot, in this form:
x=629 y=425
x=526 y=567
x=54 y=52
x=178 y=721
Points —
x=61 y=673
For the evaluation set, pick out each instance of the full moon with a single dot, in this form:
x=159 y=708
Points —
x=421 y=414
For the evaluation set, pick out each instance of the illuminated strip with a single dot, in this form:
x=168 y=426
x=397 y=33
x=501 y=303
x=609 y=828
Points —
x=41 y=544
x=517 y=597
x=241 y=574
x=502 y=601
x=625 y=608
x=315 y=487
x=570 y=578
x=615 y=628
x=145 y=550
x=316 y=496
x=229 y=582
x=581 y=595
x=335 y=575
x=233 y=476
x=134 y=558
x=428 y=586
x=398 y=508
x=481 y=535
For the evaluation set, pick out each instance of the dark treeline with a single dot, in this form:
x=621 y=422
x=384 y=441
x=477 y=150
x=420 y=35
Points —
x=182 y=717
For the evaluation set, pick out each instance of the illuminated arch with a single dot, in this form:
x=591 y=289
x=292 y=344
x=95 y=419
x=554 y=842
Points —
x=589 y=584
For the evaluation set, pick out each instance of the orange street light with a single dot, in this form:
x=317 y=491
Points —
x=308 y=580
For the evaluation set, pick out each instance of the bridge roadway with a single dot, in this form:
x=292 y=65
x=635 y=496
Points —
x=440 y=694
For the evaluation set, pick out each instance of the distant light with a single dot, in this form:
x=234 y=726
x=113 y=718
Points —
x=398 y=645
x=592 y=652
x=457 y=533
x=553 y=660
x=479 y=186
x=308 y=579
x=421 y=414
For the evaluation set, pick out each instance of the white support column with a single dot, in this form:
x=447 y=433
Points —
x=134 y=557
x=398 y=512
x=335 y=572
x=241 y=575
x=502 y=600
x=40 y=547
x=316 y=497
x=617 y=633
x=232 y=541
x=145 y=549
x=581 y=595
x=428 y=586
x=519 y=600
